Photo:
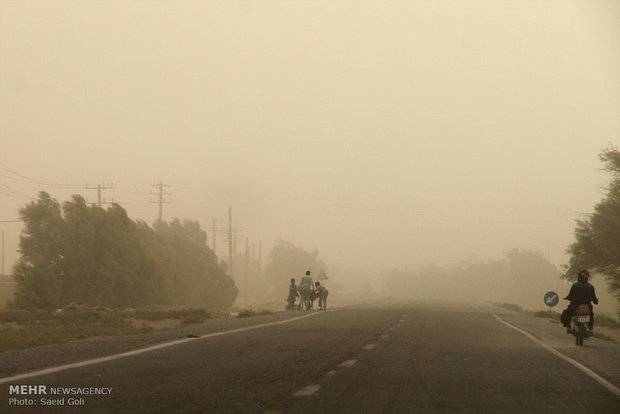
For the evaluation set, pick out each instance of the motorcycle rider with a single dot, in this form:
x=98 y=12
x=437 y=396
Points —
x=581 y=293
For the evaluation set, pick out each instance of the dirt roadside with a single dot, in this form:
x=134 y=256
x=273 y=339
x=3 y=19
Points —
x=22 y=360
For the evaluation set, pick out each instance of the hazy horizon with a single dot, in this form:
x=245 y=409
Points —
x=384 y=135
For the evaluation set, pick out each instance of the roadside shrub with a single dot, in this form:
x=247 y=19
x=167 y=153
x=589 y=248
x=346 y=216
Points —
x=510 y=306
x=193 y=316
x=547 y=314
x=155 y=314
x=246 y=313
x=602 y=319
x=23 y=316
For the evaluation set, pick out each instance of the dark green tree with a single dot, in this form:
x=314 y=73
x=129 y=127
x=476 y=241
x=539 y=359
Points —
x=189 y=269
x=90 y=255
x=289 y=261
x=40 y=265
x=597 y=239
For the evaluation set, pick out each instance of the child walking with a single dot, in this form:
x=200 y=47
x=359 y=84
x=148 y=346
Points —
x=322 y=293
x=293 y=294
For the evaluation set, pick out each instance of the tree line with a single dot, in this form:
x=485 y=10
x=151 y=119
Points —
x=522 y=276
x=597 y=238
x=289 y=261
x=78 y=253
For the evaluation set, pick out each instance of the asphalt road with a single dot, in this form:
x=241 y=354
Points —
x=370 y=359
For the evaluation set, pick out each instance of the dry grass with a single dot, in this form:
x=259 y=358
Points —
x=246 y=313
x=603 y=336
x=547 y=314
x=600 y=319
x=23 y=329
x=29 y=333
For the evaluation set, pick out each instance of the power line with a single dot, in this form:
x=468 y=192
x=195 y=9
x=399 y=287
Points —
x=488 y=219
x=11 y=192
x=100 y=189
x=36 y=181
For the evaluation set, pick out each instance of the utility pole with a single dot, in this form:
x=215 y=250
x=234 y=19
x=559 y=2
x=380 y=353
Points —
x=247 y=259
x=214 y=239
x=3 y=252
x=253 y=262
x=235 y=237
x=215 y=229
x=260 y=258
x=160 y=193
x=253 y=270
x=230 y=242
x=100 y=189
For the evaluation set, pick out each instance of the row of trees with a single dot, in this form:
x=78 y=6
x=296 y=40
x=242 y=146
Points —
x=521 y=276
x=597 y=239
x=290 y=261
x=76 y=253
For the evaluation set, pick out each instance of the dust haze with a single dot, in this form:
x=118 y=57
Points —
x=389 y=136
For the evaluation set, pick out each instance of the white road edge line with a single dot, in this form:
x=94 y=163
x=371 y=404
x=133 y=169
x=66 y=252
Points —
x=307 y=390
x=606 y=384
x=139 y=351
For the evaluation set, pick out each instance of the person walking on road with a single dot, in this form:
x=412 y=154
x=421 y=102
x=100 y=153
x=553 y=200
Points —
x=322 y=293
x=305 y=289
x=293 y=294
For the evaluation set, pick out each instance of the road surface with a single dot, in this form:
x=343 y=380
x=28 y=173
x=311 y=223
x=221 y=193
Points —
x=381 y=358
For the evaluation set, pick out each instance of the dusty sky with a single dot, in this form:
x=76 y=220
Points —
x=381 y=132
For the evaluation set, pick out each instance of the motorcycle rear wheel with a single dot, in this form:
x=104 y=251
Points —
x=581 y=333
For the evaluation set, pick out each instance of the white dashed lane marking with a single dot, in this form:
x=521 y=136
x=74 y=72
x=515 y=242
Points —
x=369 y=347
x=307 y=391
x=348 y=363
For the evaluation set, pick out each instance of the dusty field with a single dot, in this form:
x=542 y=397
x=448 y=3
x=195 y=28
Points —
x=21 y=329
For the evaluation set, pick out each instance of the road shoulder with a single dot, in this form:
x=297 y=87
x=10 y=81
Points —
x=600 y=355
x=19 y=361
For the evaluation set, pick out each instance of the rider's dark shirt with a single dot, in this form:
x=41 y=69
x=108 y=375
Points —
x=582 y=293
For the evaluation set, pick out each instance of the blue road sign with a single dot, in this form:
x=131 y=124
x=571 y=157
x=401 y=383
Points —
x=551 y=299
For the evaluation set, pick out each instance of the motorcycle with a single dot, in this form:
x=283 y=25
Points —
x=306 y=299
x=581 y=324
